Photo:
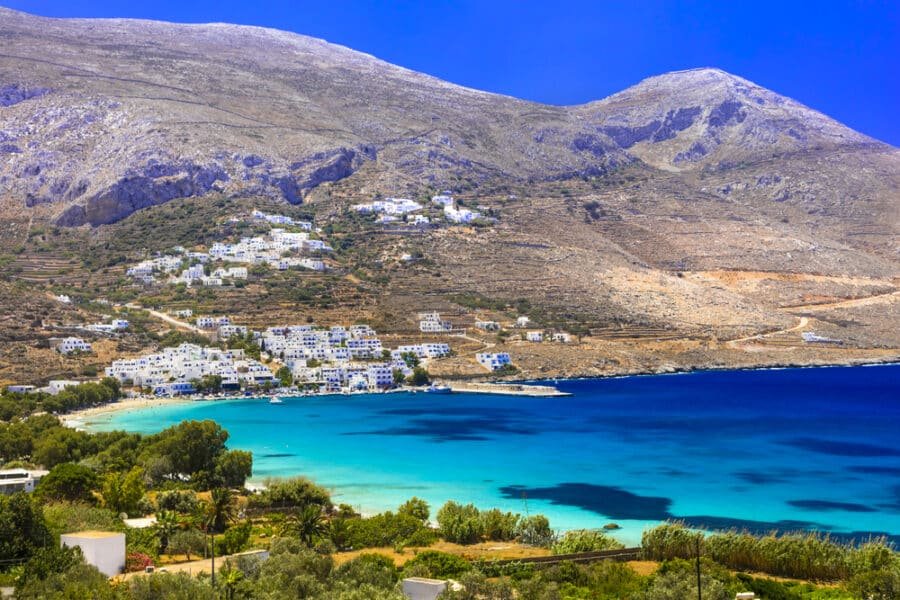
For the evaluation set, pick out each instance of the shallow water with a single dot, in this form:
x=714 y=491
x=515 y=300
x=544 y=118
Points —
x=769 y=449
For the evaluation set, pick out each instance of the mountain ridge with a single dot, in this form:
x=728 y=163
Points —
x=176 y=88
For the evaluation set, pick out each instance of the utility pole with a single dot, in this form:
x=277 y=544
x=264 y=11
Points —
x=697 y=541
x=212 y=553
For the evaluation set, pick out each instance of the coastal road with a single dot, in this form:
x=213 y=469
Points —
x=168 y=319
x=801 y=324
x=887 y=298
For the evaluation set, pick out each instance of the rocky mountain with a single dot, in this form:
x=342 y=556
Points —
x=694 y=219
x=99 y=118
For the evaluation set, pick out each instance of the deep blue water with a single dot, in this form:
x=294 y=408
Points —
x=769 y=449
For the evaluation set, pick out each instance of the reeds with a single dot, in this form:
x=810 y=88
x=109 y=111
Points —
x=803 y=555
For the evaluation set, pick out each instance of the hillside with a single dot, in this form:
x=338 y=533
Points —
x=670 y=223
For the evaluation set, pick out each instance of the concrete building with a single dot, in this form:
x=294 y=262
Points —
x=103 y=549
x=493 y=360
x=420 y=588
x=534 y=336
x=73 y=344
x=19 y=480
x=20 y=389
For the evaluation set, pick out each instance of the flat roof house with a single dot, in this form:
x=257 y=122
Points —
x=103 y=549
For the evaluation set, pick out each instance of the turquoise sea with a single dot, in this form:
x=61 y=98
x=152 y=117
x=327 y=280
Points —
x=768 y=449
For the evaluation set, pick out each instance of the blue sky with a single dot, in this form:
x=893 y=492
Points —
x=839 y=57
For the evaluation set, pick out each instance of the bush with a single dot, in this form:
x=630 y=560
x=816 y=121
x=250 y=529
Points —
x=386 y=529
x=460 y=524
x=585 y=540
x=499 y=526
x=137 y=561
x=180 y=501
x=235 y=539
x=415 y=507
x=373 y=569
x=188 y=542
x=535 y=531
x=297 y=492
x=438 y=564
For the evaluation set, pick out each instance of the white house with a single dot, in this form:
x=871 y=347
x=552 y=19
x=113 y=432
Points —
x=73 y=344
x=561 y=337
x=534 y=336
x=20 y=388
x=493 y=360
x=55 y=386
x=487 y=325
x=64 y=299
x=184 y=313
x=19 y=480
x=421 y=588
x=103 y=549
x=522 y=322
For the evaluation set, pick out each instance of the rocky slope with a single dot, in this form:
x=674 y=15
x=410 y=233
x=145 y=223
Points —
x=99 y=118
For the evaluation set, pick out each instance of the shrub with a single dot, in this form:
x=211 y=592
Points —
x=137 y=561
x=385 y=529
x=373 y=569
x=460 y=524
x=188 y=542
x=535 y=531
x=438 y=564
x=415 y=507
x=290 y=493
x=180 y=501
x=585 y=540
x=235 y=539
x=499 y=526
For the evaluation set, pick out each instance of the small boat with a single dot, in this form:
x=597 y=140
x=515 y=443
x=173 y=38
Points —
x=276 y=401
x=439 y=389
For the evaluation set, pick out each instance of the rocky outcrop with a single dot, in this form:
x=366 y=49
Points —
x=154 y=184
x=13 y=93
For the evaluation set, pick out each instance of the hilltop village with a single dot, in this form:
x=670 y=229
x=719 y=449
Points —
x=216 y=354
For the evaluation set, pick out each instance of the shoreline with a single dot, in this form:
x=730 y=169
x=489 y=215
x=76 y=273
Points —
x=505 y=387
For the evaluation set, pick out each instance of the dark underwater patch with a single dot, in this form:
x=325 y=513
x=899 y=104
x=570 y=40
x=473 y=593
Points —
x=453 y=430
x=277 y=455
x=875 y=470
x=608 y=501
x=759 y=478
x=827 y=505
x=839 y=448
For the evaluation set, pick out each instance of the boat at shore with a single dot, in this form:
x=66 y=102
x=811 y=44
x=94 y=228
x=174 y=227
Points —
x=439 y=389
x=276 y=400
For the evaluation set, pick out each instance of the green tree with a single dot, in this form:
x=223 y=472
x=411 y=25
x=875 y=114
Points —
x=22 y=527
x=188 y=542
x=399 y=378
x=191 y=447
x=166 y=526
x=459 y=524
x=220 y=510
x=307 y=525
x=419 y=376
x=415 y=507
x=535 y=531
x=68 y=481
x=233 y=467
x=123 y=491
x=61 y=445
x=174 y=586
x=285 y=376
x=411 y=359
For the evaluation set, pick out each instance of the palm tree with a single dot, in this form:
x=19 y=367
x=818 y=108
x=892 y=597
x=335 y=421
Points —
x=166 y=526
x=219 y=511
x=230 y=577
x=308 y=524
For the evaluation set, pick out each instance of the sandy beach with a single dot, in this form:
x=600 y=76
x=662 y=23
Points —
x=85 y=416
